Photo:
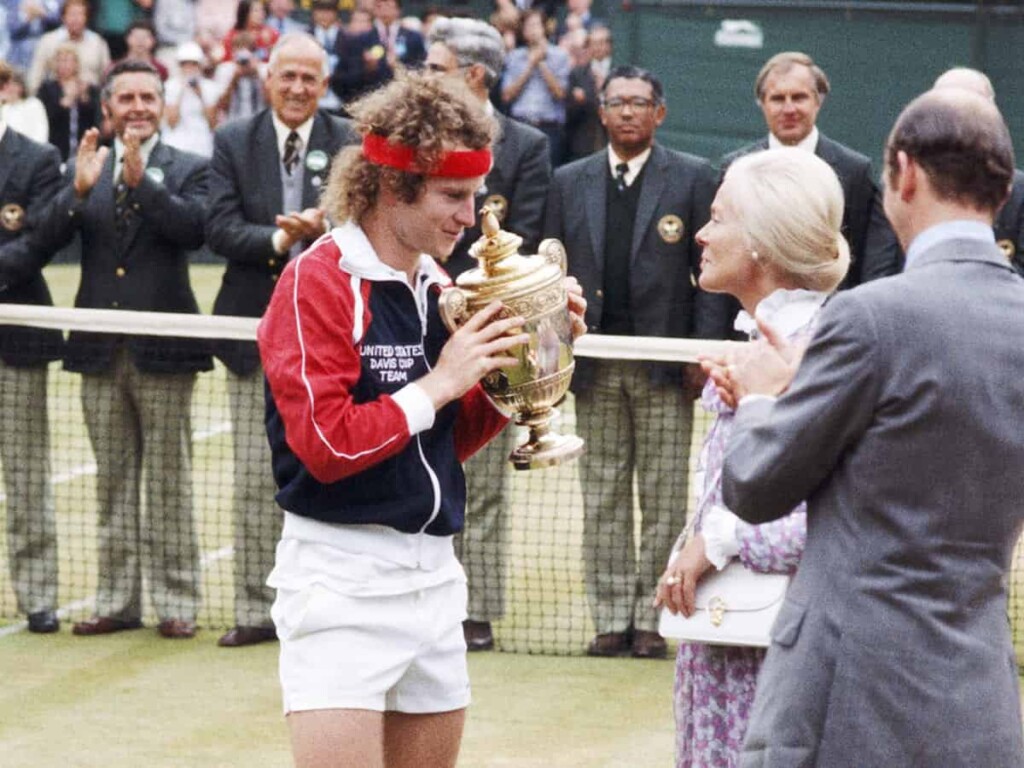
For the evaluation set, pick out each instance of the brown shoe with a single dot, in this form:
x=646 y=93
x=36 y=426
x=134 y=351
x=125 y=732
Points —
x=104 y=625
x=176 y=629
x=240 y=635
x=609 y=644
x=648 y=645
x=478 y=635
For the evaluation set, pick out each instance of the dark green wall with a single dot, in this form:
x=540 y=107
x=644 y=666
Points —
x=878 y=56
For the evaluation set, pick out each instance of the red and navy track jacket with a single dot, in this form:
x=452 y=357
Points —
x=342 y=341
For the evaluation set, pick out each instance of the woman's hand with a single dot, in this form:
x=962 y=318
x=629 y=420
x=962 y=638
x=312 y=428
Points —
x=577 y=306
x=677 y=587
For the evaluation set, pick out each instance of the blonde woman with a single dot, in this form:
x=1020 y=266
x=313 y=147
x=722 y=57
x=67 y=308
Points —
x=774 y=243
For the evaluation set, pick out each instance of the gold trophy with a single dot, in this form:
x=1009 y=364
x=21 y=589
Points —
x=530 y=287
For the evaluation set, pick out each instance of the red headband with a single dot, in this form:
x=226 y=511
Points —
x=456 y=164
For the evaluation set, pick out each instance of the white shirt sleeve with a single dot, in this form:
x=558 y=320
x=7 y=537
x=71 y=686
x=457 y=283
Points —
x=719 y=531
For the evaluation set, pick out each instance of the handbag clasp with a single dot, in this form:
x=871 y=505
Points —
x=716 y=611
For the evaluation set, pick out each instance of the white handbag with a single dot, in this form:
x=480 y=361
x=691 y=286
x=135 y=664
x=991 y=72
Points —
x=734 y=606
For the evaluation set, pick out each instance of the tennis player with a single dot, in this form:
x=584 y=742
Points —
x=371 y=409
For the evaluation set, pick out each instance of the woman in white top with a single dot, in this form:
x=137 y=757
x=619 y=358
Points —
x=26 y=115
x=191 y=112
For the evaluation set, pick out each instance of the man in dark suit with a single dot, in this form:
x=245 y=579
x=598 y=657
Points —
x=265 y=182
x=790 y=90
x=139 y=211
x=29 y=177
x=1009 y=223
x=515 y=190
x=370 y=60
x=627 y=217
x=901 y=429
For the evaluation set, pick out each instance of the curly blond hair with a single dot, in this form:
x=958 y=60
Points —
x=431 y=114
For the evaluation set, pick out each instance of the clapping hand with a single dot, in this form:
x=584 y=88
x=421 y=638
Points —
x=763 y=367
x=89 y=162
x=300 y=227
x=132 y=168
x=577 y=306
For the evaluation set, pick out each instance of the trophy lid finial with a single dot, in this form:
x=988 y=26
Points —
x=489 y=224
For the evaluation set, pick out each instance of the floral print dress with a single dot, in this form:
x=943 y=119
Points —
x=714 y=685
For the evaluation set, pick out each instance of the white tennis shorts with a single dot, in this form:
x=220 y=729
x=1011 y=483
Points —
x=342 y=648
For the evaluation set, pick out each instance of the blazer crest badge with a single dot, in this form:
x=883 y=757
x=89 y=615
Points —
x=670 y=228
x=12 y=217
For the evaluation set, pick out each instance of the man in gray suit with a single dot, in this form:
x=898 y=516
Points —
x=902 y=430
x=627 y=216
x=514 y=188
x=265 y=182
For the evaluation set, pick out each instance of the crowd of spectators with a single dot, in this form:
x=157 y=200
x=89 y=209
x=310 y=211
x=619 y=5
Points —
x=213 y=55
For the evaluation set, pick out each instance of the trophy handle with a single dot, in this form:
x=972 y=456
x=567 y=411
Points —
x=553 y=252
x=452 y=307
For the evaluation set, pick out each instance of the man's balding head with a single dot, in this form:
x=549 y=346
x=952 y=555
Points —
x=967 y=79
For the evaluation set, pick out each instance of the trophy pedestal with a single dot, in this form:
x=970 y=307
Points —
x=545 y=448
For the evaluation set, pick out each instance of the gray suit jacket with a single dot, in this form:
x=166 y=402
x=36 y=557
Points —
x=902 y=429
x=245 y=197
x=664 y=297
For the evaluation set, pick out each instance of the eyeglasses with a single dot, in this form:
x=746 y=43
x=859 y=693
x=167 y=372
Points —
x=637 y=104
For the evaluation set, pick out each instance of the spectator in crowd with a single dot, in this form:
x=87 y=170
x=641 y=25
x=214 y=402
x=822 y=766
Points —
x=584 y=132
x=251 y=20
x=903 y=433
x=578 y=13
x=515 y=187
x=327 y=31
x=627 y=217
x=140 y=45
x=240 y=81
x=380 y=677
x=174 y=22
x=22 y=113
x=371 y=59
x=791 y=89
x=774 y=243
x=93 y=54
x=31 y=178
x=534 y=84
x=507 y=19
x=113 y=18
x=216 y=18
x=72 y=105
x=359 y=23
x=191 y=111
x=1009 y=223
x=139 y=210
x=27 y=21
x=279 y=17
x=267 y=176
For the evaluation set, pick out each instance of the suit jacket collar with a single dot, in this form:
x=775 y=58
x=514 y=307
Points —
x=653 y=185
x=268 y=164
x=959 y=248
x=596 y=195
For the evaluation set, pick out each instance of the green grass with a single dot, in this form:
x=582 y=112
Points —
x=137 y=700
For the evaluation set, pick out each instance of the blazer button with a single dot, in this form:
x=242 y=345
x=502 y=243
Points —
x=274 y=278
x=115 y=304
x=135 y=206
x=599 y=293
x=271 y=262
x=119 y=272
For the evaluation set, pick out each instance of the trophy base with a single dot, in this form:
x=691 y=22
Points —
x=548 y=450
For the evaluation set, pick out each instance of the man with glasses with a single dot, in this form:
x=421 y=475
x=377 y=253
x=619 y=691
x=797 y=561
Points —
x=627 y=216
x=514 y=188
x=790 y=90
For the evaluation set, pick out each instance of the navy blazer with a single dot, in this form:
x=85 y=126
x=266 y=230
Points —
x=29 y=178
x=146 y=267
x=245 y=197
x=352 y=78
x=874 y=250
x=675 y=202
x=518 y=179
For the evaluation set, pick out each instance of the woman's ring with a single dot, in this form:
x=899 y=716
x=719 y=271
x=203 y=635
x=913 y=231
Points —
x=673 y=581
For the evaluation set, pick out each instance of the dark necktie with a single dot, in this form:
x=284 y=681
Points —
x=620 y=177
x=121 y=210
x=291 y=152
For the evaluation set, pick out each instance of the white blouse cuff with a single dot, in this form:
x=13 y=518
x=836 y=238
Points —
x=719 y=531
